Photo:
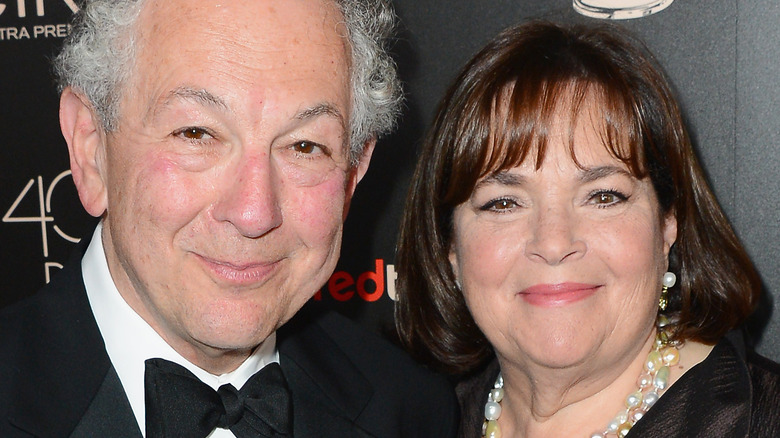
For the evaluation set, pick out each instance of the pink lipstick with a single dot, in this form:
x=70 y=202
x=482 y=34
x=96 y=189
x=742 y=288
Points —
x=560 y=294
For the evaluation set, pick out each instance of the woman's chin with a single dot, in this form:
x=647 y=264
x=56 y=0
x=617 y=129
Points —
x=564 y=348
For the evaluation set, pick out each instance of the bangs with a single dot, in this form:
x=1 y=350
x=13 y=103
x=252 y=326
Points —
x=516 y=120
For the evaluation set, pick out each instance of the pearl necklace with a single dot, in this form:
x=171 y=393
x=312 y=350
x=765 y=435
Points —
x=653 y=380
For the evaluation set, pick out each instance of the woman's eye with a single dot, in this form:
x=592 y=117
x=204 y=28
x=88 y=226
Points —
x=193 y=133
x=502 y=204
x=606 y=198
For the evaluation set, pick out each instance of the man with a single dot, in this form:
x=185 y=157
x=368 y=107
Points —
x=220 y=142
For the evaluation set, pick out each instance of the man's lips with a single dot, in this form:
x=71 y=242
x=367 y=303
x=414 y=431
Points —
x=240 y=274
x=559 y=294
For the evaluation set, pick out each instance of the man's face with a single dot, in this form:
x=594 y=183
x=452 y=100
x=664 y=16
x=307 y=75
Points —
x=228 y=179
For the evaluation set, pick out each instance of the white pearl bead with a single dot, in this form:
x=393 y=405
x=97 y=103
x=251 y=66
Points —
x=650 y=398
x=661 y=378
x=644 y=380
x=671 y=356
x=636 y=416
x=634 y=399
x=669 y=279
x=492 y=410
x=497 y=394
x=653 y=361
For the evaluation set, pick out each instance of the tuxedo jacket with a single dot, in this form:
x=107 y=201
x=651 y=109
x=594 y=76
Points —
x=56 y=379
x=733 y=393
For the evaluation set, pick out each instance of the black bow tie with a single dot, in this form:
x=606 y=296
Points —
x=179 y=405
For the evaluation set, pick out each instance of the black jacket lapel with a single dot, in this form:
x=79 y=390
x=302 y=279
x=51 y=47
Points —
x=57 y=380
x=109 y=414
x=714 y=400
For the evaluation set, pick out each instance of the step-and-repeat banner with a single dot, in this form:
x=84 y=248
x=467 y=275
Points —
x=723 y=57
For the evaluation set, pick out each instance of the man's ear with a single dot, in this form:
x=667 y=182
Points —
x=86 y=146
x=357 y=172
x=365 y=159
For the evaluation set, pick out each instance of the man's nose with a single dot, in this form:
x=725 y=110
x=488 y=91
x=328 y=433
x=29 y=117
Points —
x=555 y=236
x=251 y=201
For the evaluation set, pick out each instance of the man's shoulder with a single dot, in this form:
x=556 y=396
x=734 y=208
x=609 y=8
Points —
x=23 y=320
x=402 y=398
x=51 y=345
x=373 y=355
x=55 y=303
x=56 y=322
x=369 y=350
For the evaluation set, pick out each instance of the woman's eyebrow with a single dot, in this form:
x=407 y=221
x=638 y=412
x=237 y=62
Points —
x=593 y=173
x=503 y=178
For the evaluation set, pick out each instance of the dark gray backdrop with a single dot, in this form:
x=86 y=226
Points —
x=723 y=57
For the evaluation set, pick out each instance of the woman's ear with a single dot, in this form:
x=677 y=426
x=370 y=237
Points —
x=86 y=146
x=454 y=263
x=669 y=231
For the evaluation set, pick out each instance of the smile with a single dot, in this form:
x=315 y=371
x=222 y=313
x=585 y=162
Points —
x=239 y=274
x=560 y=294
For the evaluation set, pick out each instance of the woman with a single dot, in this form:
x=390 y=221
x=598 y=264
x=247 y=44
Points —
x=562 y=254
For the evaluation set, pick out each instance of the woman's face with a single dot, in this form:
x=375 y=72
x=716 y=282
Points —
x=562 y=266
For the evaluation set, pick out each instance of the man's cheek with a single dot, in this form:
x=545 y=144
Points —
x=167 y=192
x=320 y=207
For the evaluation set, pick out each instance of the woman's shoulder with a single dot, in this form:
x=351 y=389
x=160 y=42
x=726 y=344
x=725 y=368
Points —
x=762 y=368
x=765 y=379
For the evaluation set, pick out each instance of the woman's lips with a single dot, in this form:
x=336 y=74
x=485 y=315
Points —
x=240 y=274
x=560 y=294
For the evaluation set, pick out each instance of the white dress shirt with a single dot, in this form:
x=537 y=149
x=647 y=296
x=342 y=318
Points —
x=130 y=340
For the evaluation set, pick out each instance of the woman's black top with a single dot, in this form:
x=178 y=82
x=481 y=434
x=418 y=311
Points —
x=734 y=392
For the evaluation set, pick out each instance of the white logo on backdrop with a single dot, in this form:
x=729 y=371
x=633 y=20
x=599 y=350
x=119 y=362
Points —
x=45 y=215
x=21 y=7
x=26 y=32
x=619 y=9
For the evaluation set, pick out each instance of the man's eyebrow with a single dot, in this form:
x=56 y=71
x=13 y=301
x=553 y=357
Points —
x=321 y=109
x=595 y=173
x=196 y=95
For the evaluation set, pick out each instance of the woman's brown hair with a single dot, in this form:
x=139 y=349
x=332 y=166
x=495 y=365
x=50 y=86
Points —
x=497 y=114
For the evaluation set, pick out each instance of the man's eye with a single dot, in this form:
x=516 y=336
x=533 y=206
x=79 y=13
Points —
x=193 y=133
x=305 y=147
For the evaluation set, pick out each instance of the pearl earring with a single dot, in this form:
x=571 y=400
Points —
x=668 y=281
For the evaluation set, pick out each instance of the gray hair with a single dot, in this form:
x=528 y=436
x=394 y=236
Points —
x=98 y=57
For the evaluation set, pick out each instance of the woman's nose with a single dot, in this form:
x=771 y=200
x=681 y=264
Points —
x=251 y=200
x=555 y=236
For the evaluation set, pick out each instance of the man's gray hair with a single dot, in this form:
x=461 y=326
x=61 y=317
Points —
x=98 y=57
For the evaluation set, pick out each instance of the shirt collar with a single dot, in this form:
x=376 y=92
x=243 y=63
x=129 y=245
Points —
x=130 y=340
